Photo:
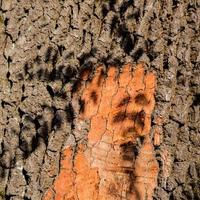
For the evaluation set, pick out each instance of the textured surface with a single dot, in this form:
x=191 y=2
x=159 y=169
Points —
x=45 y=45
x=112 y=165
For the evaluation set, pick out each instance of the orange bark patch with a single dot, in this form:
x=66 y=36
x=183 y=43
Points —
x=111 y=166
x=63 y=186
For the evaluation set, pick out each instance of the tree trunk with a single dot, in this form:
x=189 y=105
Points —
x=75 y=74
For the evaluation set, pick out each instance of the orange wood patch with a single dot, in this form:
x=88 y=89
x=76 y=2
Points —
x=119 y=107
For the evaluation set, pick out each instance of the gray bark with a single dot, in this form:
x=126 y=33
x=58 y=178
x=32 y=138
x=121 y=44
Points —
x=44 y=46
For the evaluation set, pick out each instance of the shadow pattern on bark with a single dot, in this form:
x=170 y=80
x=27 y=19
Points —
x=45 y=48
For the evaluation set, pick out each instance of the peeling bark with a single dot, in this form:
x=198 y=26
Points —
x=50 y=53
x=107 y=167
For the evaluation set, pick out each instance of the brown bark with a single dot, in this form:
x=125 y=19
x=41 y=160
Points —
x=47 y=49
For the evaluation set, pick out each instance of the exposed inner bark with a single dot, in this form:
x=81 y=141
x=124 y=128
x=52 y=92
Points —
x=113 y=167
x=50 y=48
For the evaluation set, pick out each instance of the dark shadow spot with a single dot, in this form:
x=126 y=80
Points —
x=26 y=11
x=56 y=26
x=43 y=132
x=34 y=143
x=69 y=113
x=23 y=98
x=135 y=15
x=182 y=28
x=175 y=3
x=141 y=139
x=127 y=43
x=139 y=120
x=46 y=75
x=26 y=176
x=9 y=60
x=56 y=121
x=68 y=74
x=84 y=72
x=165 y=62
x=85 y=56
x=23 y=88
x=152 y=55
x=119 y=117
x=114 y=62
x=5 y=103
x=37 y=60
x=20 y=76
x=104 y=59
x=83 y=37
x=24 y=146
x=39 y=46
x=26 y=198
x=55 y=74
x=114 y=24
x=88 y=64
x=9 y=197
x=160 y=163
x=2 y=172
x=94 y=96
x=55 y=58
x=6 y=21
x=50 y=91
x=76 y=86
x=60 y=94
x=112 y=4
x=28 y=118
x=104 y=10
x=124 y=101
x=26 y=68
x=40 y=73
x=140 y=99
x=149 y=43
x=130 y=129
x=31 y=76
x=138 y=53
x=48 y=54
x=82 y=105
x=69 y=55
x=131 y=116
x=6 y=160
x=125 y=6
x=196 y=101
x=169 y=42
x=129 y=151
x=60 y=68
x=61 y=48
x=21 y=112
x=135 y=151
x=180 y=78
x=8 y=75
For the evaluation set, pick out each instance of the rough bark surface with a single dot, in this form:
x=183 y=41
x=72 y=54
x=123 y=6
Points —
x=46 y=48
x=119 y=111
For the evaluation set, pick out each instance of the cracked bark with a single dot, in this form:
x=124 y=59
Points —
x=108 y=161
x=48 y=48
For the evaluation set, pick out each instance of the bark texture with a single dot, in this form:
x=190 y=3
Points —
x=47 y=49
x=119 y=108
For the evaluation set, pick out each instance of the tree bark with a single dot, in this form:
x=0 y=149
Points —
x=51 y=51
